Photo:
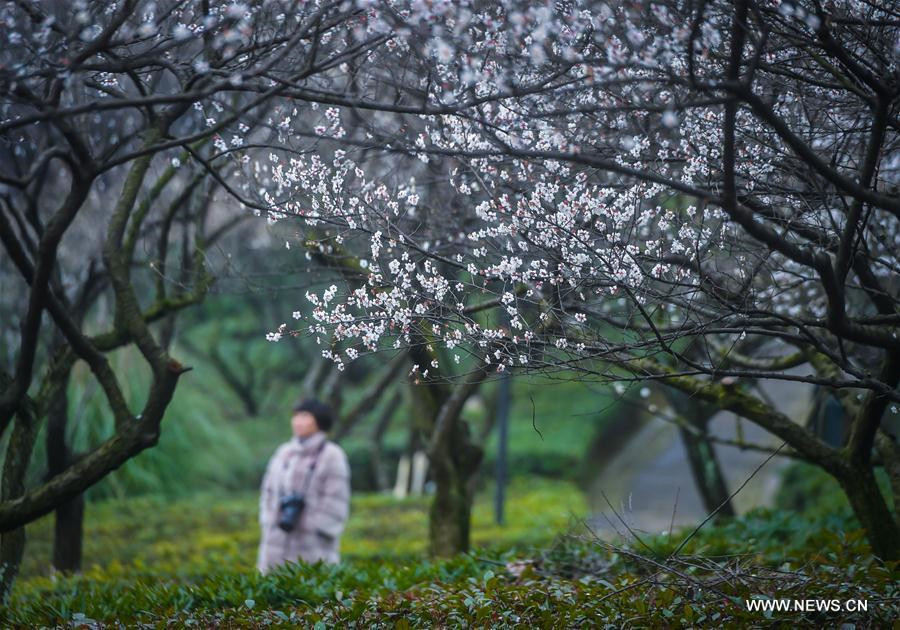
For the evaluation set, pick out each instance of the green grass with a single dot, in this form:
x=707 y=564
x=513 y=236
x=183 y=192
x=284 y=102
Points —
x=193 y=536
x=181 y=564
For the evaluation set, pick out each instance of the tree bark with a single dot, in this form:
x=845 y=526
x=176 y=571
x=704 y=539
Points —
x=694 y=417
x=16 y=390
x=706 y=471
x=18 y=454
x=857 y=474
x=68 y=535
x=869 y=506
x=455 y=459
x=453 y=471
x=68 y=516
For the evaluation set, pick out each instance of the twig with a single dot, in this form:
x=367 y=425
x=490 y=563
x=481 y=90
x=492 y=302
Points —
x=674 y=509
x=622 y=520
x=725 y=502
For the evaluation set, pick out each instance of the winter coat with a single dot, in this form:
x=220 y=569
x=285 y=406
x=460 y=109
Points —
x=316 y=535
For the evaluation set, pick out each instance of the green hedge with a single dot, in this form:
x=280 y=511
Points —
x=575 y=583
x=160 y=563
x=200 y=534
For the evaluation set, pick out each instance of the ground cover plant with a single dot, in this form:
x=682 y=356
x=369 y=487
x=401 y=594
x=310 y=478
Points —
x=574 y=582
x=199 y=534
x=195 y=568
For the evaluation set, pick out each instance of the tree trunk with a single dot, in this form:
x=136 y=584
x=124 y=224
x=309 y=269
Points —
x=12 y=549
x=890 y=455
x=706 y=471
x=454 y=470
x=694 y=416
x=454 y=455
x=379 y=473
x=68 y=535
x=870 y=508
x=69 y=516
x=450 y=513
x=18 y=454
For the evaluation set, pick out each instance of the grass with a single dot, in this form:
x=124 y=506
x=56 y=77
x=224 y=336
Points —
x=183 y=564
x=192 y=536
x=155 y=562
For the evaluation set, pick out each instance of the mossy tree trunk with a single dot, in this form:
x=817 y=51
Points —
x=455 y=457
x=454 y=469
x=69 y=516
x=852 y=465
x=856 y=472
x=693 y=419
x=871 y=509
x=18 y=454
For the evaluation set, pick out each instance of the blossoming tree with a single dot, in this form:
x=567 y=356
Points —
x=704 y=195
x=118 y=122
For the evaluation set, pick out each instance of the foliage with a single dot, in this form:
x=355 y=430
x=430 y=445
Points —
x=207 y=440
x=813 y=493
x=573 y=582
x=810 y=491
x=193 y=536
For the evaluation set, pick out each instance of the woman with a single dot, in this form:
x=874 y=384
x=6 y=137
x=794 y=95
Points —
x=311 y=467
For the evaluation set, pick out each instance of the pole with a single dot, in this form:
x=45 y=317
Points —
x=503 y=400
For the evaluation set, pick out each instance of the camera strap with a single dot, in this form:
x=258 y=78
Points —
x=289 y=477
x=312 y=467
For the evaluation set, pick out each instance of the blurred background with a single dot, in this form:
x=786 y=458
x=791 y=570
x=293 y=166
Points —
x=577 y=455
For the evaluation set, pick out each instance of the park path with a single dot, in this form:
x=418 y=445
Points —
x=650 y=477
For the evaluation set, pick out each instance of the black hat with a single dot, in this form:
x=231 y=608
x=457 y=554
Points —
x=320 y=411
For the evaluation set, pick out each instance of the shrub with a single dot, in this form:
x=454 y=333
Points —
x=189 y=563
x=576 y=582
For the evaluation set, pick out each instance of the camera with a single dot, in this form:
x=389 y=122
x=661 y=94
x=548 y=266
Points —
x=289 y=508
